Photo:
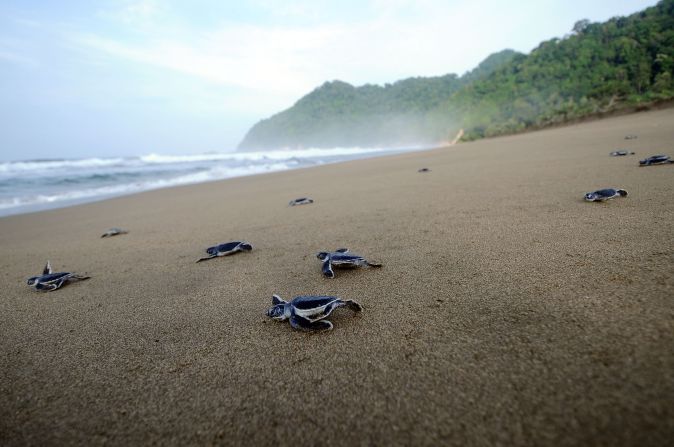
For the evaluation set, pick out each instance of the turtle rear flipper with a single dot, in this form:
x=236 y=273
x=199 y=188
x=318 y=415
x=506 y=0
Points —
x=373 y=264
x=327 y=269
x=354 y=306
x=52 y=285
x=304 y=324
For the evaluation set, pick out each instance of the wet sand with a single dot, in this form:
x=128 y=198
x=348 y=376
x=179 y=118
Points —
x=508 y=311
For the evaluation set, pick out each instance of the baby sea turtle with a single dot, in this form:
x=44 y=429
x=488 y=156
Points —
x=301 y=201
x=621 y=153
x=308 y=312
x=630 y=137
x=655 y=160
x=49 y=281
x=228 y=248
x=602 y=195
x=342 y=259
x=114 y=232
x=424 y=170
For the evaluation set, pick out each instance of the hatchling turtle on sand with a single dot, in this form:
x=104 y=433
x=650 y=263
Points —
x=341 y=258
x=308 y=312
x=114 y=232
x=602 y=195
x=301 y=201
x=228 y=248
x=620 y=153
x=424 y=170
x=49 y=281
x=630 y=137
x=655 y=160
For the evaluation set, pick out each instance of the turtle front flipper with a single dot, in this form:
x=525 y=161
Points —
x=342 y=250
x=206 y=258
x=47 y=269
x=79 y=277
x=327 y=269
x=304 y=324
x=52 y=285
x=275 y=300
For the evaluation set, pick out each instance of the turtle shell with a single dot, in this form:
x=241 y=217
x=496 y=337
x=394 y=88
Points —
x=307 y=303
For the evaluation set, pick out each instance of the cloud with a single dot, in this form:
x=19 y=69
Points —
x=387 y=41
x=134 y=12
x=242 y=56
x=9 y=56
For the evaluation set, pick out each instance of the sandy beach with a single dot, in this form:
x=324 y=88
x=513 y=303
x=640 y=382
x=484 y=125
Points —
x=508 y=311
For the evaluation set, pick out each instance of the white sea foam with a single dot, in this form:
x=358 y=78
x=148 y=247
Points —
x=20 y=167
x=39 y=184
x=286 y=154
x=75 y=195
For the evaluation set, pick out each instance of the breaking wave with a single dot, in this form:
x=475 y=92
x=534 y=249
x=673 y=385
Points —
x=40 y=184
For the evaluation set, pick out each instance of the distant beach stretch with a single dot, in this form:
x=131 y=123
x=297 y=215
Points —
x=508 y=308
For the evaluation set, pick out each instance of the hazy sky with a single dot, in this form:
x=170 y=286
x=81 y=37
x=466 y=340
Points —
x=126 y=77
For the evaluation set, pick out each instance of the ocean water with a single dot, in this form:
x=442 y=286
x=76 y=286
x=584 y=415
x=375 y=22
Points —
x=33 y=185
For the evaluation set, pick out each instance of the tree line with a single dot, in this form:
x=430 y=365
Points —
x=596 y=68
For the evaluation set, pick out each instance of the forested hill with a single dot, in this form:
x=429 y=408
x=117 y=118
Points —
x=598 y=67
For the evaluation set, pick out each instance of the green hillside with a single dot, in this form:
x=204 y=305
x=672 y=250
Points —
x=598 y=67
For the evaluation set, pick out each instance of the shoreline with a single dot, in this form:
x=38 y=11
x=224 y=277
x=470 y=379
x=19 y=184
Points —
x=305 y=162
x=507 y=310
x=617 y=112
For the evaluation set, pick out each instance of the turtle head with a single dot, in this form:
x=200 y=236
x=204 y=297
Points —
x=323 y=255
x=278 y=310
x=590 y=196
x=32 y=280
x=213 y=251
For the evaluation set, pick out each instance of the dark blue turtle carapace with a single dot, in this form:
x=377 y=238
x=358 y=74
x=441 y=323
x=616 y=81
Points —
x=301 y=201
x=621 y=153
x=655 y=160
x=602 y=195
x=308 y=312
x=341 y=258
x=226 y=249
x=49 y=280
x=114 y=232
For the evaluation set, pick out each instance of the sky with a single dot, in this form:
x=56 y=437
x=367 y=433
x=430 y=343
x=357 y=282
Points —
x=86 y=78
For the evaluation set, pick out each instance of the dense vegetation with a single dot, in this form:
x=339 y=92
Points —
x=599 y=67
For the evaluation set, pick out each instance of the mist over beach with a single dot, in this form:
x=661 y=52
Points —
x=337 y=223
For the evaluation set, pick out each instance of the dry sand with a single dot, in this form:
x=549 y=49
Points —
x=508 y=311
